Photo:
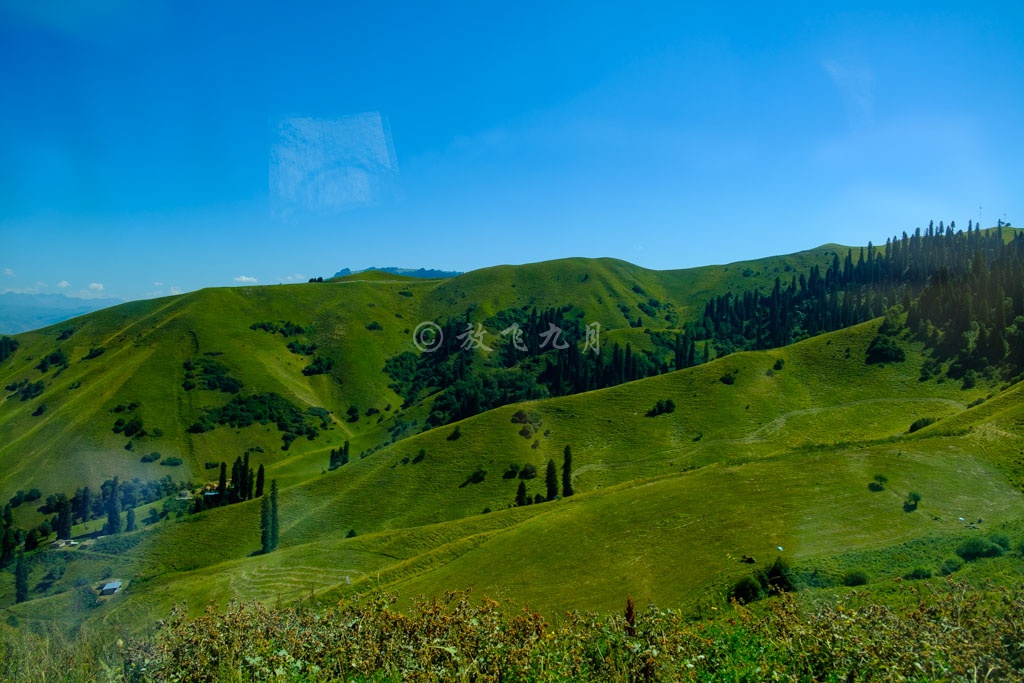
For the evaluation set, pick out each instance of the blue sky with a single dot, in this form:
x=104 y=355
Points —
x=152 y=150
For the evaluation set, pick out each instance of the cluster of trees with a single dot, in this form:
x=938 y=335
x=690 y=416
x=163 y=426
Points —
x=55 y=359
x=209 y=374
x=25 y=390
x=245 y=484
x=971 y=312
x=302 y=348
x=528 y=366
x=8 y=345
x=550 y=482
x=86 y=504
x=321 y=365
x=662 y=407
x=10 y=539
x=286 y=328
x=243 y=411
x=953 y=266
x=339 y=457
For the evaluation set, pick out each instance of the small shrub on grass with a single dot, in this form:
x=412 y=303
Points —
x=747 y=590
x=921 y=423
x=855 y=577
x=951 y=565
x=978 y=547
x=918 y=573
x=151 y=457
x=1001 y=540
x=779 y=364
x=171 y=462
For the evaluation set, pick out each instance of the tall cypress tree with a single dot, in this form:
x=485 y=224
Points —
x=273 y=515
x=552 y=480
x=567 y=473
x=8 y=546
x=114 y=509
x=222 y=484
x=64 y=519
x=259 y=482
x=130 y=523
x=265 y=526
x=21 y=579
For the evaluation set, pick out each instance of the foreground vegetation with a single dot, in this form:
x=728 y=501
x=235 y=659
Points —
x=942 y=631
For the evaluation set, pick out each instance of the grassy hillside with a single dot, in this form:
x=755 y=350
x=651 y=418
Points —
x=357 y=322
x=763 y=450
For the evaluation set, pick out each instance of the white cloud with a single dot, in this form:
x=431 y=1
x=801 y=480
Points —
x=324 y=166
x=856 y=88
x=175 y=290
x=295 y=277
x=63 y=284
x=9 y=273
x=96 y=286
x=245 y=279
x=158 y=284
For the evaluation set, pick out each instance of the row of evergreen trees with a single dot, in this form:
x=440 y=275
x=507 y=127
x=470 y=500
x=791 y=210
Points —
x=244 y=485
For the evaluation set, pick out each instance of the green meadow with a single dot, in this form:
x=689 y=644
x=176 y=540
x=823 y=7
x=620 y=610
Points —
x=765 y=455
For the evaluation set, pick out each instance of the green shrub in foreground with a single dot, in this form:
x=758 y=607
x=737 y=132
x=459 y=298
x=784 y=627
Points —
x=978 y=547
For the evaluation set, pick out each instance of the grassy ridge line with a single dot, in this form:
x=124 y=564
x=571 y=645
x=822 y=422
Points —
x=217 y=320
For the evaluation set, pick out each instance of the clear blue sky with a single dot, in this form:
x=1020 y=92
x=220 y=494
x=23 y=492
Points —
x=145 y=151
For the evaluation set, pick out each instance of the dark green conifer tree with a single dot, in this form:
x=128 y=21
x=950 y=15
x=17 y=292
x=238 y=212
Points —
x=521 y=499
x=274 y=527
x=567 y=473
x=130 y=522
x=21 y=579
x=259 y=481
x=551 y=479
x=114 y=509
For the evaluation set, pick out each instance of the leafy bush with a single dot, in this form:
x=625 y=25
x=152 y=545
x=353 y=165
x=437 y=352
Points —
x=918 y=573
x=1001 y=540
x=910 y=504
x=855 y=577
x=151 y=457
x=662 y=407
x=171 y=462
x=374 y=326
x=528 y=472
x=978 y=547
x=94 y=352
x=950 y=565
x=779 y=364
x=921 y=423
x=320 y=366
x=884 y=349
x=728 y=378
x=747 y=590
x=302 y=349
x=56 y=359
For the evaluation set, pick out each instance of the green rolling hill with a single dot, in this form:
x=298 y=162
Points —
x=762 y=450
